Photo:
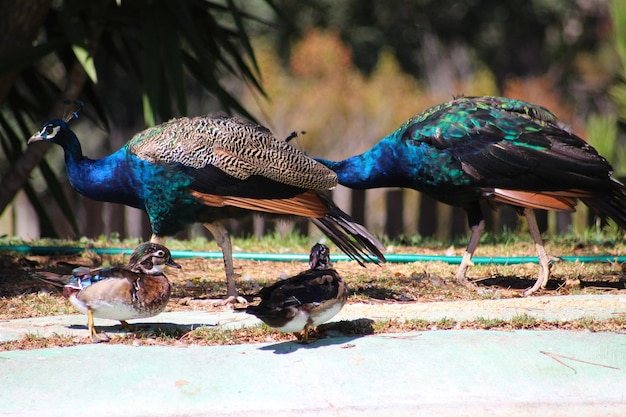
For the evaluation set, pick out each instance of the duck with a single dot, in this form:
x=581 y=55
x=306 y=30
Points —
x=138 y=290
x=302 y=302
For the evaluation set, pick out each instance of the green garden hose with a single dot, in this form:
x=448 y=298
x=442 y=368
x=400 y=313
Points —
x=292 y=257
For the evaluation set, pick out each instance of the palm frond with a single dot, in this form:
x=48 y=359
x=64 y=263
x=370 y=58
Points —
x=162 y=45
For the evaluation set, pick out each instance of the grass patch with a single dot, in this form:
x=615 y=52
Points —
x=32 y=341
x=22 y=296
x=33 y=305
x=524 y=321
x=213 y=336
x=489 y=323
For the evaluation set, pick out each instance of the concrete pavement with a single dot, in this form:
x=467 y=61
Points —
x=433 y=373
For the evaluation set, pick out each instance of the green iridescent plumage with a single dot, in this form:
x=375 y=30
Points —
x=489 y=148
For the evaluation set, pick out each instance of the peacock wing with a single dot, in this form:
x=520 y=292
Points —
x=508 y=144
x=221 y=152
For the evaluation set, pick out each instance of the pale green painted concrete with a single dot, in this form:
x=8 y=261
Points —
x=447 y=373
x=434 y=373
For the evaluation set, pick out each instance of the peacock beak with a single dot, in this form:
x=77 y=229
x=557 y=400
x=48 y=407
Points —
x=35 y=138
x=47 y=133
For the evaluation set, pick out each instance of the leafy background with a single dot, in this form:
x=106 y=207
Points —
x=346 y=72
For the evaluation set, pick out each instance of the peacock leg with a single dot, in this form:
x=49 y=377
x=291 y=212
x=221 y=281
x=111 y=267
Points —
x=544 y=261
x=222 y=238
x=466 y=262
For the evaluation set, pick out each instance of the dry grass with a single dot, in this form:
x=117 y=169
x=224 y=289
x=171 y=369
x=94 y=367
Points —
x=200 y=280
x=207 y=336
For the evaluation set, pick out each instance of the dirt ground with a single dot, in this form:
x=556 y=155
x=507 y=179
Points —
x=202 y=280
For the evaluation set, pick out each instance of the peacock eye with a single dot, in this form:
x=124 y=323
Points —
x=49 y=130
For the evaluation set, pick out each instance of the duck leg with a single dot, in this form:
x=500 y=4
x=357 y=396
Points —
x=93 y=335
x=126 y=326
x=544 y=261
x=466 y=262
x=306 y=338
x=222 y=238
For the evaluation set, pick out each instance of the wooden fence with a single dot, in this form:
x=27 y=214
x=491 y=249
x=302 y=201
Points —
x=385 y=212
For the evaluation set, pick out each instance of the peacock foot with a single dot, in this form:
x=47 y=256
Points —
x=460 y=276
x=461 y=279
x=542 y=279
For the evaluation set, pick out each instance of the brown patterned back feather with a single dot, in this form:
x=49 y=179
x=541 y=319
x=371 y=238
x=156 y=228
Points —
x=236 y=146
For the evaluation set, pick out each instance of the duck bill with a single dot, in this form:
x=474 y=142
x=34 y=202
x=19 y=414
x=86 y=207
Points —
x=171 y=262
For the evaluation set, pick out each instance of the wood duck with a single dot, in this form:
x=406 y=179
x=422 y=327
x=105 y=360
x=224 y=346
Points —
x=138 y=290
x=303 y=301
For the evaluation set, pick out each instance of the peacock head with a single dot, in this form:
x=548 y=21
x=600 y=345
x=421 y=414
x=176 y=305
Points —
x=55 y=131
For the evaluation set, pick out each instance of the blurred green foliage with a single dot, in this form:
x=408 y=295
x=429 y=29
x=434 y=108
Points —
x=160 y=49
x=347 y=72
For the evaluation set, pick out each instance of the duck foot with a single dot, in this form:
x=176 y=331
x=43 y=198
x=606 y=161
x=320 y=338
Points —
x=127 y=327
x=230 y=301
x=99 y=337
x=93 y=335
x=305 y=336
x=309 y=340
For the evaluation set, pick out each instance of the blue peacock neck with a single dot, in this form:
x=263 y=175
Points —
x=375 y=168
x=103 y=179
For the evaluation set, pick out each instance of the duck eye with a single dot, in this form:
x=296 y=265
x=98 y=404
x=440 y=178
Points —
x=160 y=254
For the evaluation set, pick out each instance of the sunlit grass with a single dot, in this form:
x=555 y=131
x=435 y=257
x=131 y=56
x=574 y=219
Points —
x=212 y=336
x=200 y=280
x=609 y=240
x=34 y=305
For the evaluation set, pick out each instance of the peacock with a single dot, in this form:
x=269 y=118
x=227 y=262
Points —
x=497 y=149
x=306 y=300
x=208 y=169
